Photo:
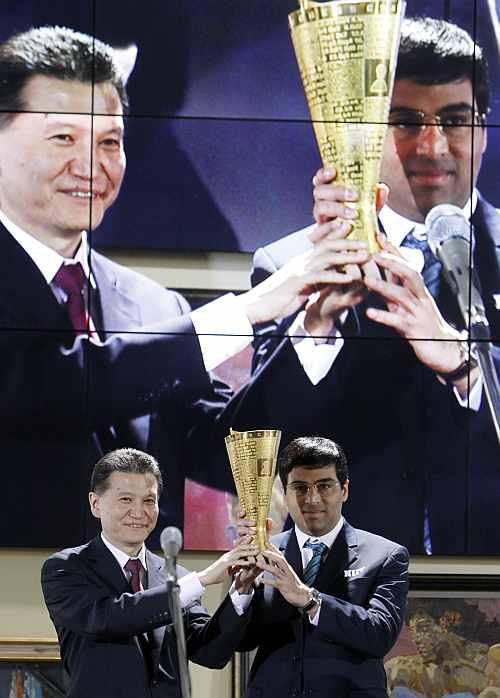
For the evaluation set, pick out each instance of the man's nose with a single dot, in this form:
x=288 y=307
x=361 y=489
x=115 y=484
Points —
x=137 y=511
x=312 y=495
x=84 y=162
x=431 y=141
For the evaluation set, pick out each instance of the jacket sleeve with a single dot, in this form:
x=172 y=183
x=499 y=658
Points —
x=85 y=606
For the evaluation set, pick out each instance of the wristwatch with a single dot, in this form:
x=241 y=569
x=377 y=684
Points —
x=468 y=362
x=314 y=600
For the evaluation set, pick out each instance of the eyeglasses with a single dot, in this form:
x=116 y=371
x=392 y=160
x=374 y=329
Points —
x=301 y=490
x=454 y=124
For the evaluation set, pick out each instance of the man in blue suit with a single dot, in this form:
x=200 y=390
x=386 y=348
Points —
x=94 y=356
x=394 y=382
x=331 y=600
x=109 y=602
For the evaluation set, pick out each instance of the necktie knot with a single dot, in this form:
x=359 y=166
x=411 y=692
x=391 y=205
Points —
x=71 y=279
x=312 y=567
x=318 y=548
x=134 y=567
x=432 y=266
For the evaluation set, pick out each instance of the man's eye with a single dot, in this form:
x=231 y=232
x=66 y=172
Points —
x=451 y=120
x=111 y=143
x=62 y=137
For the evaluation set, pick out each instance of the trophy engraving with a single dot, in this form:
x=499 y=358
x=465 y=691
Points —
x=346 y=51
x=253 y=456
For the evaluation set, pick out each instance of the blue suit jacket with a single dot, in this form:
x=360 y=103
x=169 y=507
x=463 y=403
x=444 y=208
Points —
x=409 y=443
x=101 y=626
x=363 y=584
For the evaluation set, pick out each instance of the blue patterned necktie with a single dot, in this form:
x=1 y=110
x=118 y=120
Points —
x=314 y=563
x=432 y=266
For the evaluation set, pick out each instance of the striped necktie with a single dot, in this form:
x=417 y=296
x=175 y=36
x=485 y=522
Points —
x=314 y=563
x=134 y=568
x=432 y=266
x=71 y=279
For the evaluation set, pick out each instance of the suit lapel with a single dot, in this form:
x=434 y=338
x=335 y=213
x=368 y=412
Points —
x=118 y=311
x=343 y=554
x=486 y=221
x=36 y=307
x=106 y=566
x=156 y=578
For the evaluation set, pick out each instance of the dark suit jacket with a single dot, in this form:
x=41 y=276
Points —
x=66 y=402
x=363 y=584
x=409 y=443
x=101 y=626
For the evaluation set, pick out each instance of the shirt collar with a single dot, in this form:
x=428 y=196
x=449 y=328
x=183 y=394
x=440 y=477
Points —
x=45 y=258
x=328 y=539
x=121 y=557
x=397 y=226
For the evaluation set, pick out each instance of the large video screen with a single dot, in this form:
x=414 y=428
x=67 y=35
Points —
x=213 y=150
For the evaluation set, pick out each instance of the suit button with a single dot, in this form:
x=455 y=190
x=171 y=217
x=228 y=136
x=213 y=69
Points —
x=295 y=659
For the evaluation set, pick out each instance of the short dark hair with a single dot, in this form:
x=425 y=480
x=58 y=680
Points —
x=434 y=52
x=54 y=52
x=312 y=452
x=124 y=460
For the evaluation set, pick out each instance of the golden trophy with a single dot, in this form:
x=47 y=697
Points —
x=253 y=456
x=346 y=51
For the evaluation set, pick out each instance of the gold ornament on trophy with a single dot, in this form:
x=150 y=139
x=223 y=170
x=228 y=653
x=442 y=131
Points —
x=346 y=51
x=253 y=456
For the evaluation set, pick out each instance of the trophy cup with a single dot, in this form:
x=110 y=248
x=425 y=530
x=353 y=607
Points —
x=253 y=456
x=346 y=51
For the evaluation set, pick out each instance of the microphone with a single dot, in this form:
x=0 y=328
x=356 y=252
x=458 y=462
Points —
x=449 y=235
x=171 y=543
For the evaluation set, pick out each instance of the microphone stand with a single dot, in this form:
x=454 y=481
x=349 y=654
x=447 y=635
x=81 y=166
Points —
x=481 y=348
x=176 y=614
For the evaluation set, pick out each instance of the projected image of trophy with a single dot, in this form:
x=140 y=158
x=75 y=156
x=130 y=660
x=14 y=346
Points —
x=346 y=51
x=253 y=456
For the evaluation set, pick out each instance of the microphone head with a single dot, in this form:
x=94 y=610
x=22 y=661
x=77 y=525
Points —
x=446 y=221
x=171 y=541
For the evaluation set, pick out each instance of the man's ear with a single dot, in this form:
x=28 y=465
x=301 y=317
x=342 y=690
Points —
x=125 y=59
x=345 y=491
x=94 y=504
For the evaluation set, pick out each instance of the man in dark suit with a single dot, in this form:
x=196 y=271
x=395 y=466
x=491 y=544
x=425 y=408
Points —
x=332 y=597
x=94 y=356
x=396 y=386
x=108 y=598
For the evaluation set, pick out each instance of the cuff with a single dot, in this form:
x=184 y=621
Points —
x=315 y=359
x=240 y=601
x=190 y=589
x=223 y=330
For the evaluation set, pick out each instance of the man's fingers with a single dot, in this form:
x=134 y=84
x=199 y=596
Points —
x=336 y=229
x=381 y=195
x=395 y=293
x=327 y=209
x=408 y=276
x=384 y=317
x=324 y=175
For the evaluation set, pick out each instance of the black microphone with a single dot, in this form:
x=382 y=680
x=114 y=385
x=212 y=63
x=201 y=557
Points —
x=171 y=543
x=449 y=235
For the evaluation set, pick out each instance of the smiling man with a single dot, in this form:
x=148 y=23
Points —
x=395 y=382
x=332 y=598
x=108 y=599
x=94 y=356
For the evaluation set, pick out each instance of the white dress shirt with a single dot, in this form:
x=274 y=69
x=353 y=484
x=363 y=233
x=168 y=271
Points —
x=190 y=587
